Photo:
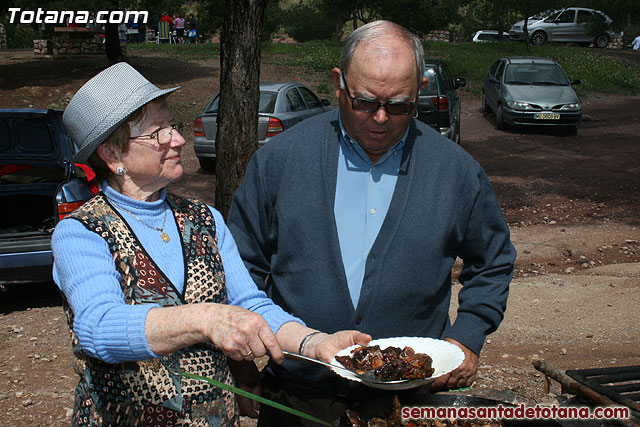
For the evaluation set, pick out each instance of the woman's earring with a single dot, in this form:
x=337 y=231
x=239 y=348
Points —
x=120 y=171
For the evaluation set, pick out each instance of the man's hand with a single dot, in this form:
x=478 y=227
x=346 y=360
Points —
x=247 y=378
x=324 y=346
x=461 y=377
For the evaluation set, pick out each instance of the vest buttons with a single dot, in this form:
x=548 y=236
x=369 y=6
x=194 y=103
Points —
x=358 y=320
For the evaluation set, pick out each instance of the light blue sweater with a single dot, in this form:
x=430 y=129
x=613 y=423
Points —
x=106 y=327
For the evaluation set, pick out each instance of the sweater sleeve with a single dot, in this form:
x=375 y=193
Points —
x=241 y=290
x=107 y=328
x=250 y=218
x=488 y=261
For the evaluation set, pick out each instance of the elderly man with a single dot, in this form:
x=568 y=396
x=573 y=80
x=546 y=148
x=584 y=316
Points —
x=354 y=218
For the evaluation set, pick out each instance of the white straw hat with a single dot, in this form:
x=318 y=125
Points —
x=104 y=103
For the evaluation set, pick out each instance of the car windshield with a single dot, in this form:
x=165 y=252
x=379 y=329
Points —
x=266 y=104
x=535 y=74
x=432 y=85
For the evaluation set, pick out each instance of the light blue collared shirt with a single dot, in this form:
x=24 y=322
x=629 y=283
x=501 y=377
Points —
x=363 y=196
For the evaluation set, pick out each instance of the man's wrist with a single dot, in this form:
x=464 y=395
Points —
x=305 y=341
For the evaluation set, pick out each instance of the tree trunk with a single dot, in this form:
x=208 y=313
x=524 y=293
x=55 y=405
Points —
x=237 y=137
x=112 y=43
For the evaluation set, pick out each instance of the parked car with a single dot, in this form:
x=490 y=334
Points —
x=570 y=25
x=484 y=36
x=281 y=106
x=439 y=105
x=531 y=91
x=39 y=185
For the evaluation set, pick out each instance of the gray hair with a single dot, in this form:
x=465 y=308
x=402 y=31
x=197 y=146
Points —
x=375 y=30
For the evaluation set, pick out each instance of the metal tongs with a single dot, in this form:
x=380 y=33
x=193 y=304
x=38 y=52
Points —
x=368 y=378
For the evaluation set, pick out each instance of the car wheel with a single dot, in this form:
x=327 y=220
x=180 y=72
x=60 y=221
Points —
x=484 y=107
x=500 y=125
x=539 y=38
x=207 y=163
x=602 y=41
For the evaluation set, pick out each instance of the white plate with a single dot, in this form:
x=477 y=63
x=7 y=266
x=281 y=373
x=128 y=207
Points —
x=446 y=357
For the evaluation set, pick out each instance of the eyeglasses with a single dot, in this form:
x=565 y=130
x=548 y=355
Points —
x=162 y=135
x=400 y=108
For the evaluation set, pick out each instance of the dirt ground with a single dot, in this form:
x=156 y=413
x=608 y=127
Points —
x=572 y=203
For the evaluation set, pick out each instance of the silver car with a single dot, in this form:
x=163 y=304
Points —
x=570 y=25
x=531 y=91
x=281 y=106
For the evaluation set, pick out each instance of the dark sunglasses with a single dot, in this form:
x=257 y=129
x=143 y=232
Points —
x=399 y=108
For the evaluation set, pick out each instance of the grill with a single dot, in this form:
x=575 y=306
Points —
x=620 y=384
x=602 y=386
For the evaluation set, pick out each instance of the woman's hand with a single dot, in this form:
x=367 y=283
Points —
x=241 y=334
x=324 y=346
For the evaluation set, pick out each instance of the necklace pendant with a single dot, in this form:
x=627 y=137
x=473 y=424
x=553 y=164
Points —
x=165 y=237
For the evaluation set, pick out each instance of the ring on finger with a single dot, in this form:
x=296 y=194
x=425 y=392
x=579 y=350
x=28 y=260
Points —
x=248 y=354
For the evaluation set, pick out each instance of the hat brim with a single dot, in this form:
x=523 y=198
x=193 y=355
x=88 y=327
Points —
x=99 y=135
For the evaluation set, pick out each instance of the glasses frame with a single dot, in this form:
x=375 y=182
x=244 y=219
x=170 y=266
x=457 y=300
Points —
x=354 y=100
x=155 y=135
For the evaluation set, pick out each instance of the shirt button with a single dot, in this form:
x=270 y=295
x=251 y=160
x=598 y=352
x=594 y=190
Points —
x=373 y=211
x=373 y=168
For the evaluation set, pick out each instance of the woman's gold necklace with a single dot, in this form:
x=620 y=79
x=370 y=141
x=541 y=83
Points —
x=164 y=236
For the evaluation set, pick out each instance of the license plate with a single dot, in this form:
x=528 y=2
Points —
x=546 y=116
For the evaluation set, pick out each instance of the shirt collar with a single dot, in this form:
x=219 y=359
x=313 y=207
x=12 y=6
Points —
x=350 y=142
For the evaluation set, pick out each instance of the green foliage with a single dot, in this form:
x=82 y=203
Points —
x=304 y=22
x=209 y=16
x=187 y=52
x=421 y=16
x=317 y=55
x=597 y=71
x=19 y=36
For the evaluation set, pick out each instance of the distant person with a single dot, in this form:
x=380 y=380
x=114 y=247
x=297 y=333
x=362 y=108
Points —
x=179 y=23
x=193 y=29
x=154 y=24
x=636 y=43
x=167 y=18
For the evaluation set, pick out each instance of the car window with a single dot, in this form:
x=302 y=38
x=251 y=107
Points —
x=447 y=81
x=549 y=74
x=295 y=101
x=267 y=102
x=566 y=17
x=309 y=97
x=585 y=16
x=493 y=68
x=500 y=70
x=4 y=137
x=213 y=107
x=34 y=137
x=432 y=85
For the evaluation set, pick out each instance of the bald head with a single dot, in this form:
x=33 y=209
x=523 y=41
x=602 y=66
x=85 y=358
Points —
x=381 y=38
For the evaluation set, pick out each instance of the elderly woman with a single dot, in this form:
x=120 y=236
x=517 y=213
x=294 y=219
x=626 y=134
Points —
x=142 y=272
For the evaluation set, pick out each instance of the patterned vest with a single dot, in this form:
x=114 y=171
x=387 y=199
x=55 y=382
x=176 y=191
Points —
x=148 y=392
